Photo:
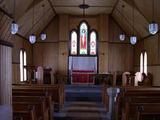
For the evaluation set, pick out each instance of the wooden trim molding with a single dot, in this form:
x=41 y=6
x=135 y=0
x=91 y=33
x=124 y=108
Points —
x=148 y=65
x=6 y=43
x=15 y=63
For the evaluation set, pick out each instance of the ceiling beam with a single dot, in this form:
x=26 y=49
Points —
x=50 y=3
x=36 y=22
x=33 y=4
x=133 y=4
x=133 y=27
x=45 y=27
x=6 y=13
x=117 y=23
x=114 y=7
x=10 y=16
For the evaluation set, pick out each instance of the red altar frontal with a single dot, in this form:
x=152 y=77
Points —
x=82 y=77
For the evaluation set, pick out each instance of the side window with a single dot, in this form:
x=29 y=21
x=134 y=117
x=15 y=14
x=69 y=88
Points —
x=23 y=63
x=143 y=62
x=74 y=42
x=93 y=43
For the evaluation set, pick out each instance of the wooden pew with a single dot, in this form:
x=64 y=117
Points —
x=140 y=102
x=105 y=97
x=44 y=103
x=40 y=103
x=55 y=91
x=22 y=112
x=36 y=93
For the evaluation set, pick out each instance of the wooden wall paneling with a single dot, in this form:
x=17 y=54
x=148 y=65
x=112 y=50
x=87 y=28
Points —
x=139 y=47
x=75 y=20
x=120 y=57
x=5 y=75
x=63 y=28
x=151 y=46
x=19 y=43
x=16 y=73
x=103 y=57
x=46 y=55
x=103 y=27
x=155 y=70
x=63 y=57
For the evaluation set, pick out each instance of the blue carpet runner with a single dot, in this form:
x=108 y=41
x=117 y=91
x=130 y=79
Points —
x=83 y=102
x=83 y=93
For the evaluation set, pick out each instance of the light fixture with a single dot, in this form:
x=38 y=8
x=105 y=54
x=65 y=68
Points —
x=153 y=26
x=43 y=34
x=14 y=25
x=122 y=35
x=133 y=38
x=83 y=7
x=32 y=37
x=14 y=28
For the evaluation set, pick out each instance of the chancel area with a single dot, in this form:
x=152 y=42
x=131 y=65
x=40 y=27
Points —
x=79 y=60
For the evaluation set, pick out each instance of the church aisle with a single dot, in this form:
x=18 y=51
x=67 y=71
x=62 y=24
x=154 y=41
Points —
x=83 y=102
x=82 y=110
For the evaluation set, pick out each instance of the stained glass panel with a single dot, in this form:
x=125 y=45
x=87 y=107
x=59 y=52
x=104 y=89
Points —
x=73 y=43
x=141 y=63
x=145 y=63
x=83 y=38
x=93 y=43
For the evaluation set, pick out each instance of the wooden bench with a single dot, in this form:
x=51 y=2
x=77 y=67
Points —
x=55 y=91
x=40 y=104
x=46 y=104
x=23 y=112
x=140 y=102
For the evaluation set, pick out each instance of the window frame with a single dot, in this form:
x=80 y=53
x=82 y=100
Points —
x=23 y=78
x=144 y=64
x=88 y=40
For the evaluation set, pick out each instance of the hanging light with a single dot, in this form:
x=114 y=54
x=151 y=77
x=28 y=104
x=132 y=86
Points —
x=133 y=40
x=14 y=25
x=32 y=38
x=122 y=35
x=43 y=34
x=153 y=26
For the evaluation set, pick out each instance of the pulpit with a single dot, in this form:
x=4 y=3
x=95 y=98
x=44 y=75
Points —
x=82 y=77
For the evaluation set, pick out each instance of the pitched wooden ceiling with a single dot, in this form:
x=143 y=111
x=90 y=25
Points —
x=123 y=16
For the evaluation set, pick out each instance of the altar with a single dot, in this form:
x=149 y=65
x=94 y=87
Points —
x=82 y=77
x=82 y=69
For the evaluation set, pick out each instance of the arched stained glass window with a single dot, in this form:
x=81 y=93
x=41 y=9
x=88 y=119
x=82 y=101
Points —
x=83 y=41
x=145 y=63
x=93 y=43
x=23 y=62
x=141 y=63
x=21 y=65
x=74 y=43
x=83 y=38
